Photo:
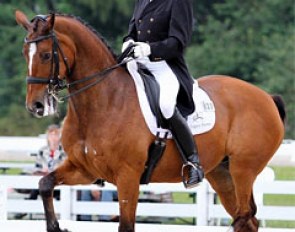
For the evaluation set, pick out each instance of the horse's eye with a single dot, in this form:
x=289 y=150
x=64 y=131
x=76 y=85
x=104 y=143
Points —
x=45 y=56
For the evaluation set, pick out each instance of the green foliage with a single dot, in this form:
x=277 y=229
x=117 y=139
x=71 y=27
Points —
x=253 y=40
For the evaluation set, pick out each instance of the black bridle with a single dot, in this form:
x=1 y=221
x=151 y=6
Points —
x=54 y=81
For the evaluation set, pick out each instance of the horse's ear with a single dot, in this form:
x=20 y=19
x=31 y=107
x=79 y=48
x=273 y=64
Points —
x=50 y=23
x=22 y=20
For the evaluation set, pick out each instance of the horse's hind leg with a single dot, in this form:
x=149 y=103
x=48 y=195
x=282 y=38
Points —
x=222 y=182
x=243 y=176
x=65 y=174
x=248 y=222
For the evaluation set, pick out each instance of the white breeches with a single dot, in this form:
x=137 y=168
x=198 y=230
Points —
x=169 y=85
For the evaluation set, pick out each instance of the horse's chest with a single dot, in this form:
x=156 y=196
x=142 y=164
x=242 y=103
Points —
x=88 y=155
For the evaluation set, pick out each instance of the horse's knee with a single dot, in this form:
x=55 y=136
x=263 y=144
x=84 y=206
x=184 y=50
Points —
x=46 y=185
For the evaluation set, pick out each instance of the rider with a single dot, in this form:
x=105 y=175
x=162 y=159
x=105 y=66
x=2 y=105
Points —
x=160 y=30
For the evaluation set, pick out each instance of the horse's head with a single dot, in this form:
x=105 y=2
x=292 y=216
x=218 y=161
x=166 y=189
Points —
x=47 y=63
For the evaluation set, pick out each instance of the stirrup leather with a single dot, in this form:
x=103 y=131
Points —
x=194 y=166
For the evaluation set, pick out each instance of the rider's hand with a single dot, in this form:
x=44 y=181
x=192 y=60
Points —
x=141 y=49
x=127 y=44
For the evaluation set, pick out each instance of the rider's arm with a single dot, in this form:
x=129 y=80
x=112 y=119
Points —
x=179 y=34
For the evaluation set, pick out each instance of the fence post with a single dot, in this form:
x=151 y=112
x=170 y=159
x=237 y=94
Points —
x=202 y=202
x=3 y=202
x=65 y=203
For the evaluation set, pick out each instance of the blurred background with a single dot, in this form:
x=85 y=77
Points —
x=252 y=40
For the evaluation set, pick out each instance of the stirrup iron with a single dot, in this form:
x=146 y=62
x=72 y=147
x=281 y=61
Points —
x=195 y=166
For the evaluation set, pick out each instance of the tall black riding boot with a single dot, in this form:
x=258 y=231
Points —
x=187 y=146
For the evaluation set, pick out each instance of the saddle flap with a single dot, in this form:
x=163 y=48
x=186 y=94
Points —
x=200 y=121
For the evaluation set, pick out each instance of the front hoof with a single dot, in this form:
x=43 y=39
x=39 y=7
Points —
x=55 y=228
x=59 y=230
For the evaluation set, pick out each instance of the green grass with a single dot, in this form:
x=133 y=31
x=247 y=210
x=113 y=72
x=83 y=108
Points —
x=284 y=173
x=13 y=171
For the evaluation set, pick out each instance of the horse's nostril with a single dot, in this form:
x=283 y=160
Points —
x=39 y=105
x=38 y=108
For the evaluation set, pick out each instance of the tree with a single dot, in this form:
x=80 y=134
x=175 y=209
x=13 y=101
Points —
x=252 y=40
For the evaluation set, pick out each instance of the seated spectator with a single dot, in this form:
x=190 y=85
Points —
x=48 y=159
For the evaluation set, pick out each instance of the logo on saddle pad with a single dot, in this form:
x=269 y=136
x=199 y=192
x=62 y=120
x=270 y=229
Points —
x=200 y=121
x=203 y=119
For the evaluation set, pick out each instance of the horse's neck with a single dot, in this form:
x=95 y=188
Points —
x=90 y=52
x=107 y=98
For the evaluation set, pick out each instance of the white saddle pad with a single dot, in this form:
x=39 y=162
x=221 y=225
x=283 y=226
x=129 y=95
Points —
x=201 y=121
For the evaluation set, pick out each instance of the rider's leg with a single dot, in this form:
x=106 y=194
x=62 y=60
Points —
x=182 y=133
x=169 y=87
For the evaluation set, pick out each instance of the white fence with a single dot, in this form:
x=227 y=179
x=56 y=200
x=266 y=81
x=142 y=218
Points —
x=204 y=210
x=13 y=148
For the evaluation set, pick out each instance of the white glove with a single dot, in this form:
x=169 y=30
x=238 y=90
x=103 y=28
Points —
x=127 y=44
x=142 y=50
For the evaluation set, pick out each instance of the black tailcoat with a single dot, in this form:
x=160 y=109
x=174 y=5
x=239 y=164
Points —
x=167 y=26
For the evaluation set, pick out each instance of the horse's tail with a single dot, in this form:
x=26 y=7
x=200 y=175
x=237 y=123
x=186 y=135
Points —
x=281 y=106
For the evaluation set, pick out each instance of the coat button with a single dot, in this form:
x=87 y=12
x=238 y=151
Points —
x=152 y=19
x=138 y=32
x=140 y=21
x=149 y=31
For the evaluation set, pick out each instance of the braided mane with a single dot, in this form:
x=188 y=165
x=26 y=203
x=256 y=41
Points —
x=92 y=29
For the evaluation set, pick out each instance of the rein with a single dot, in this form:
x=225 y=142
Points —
x=102 y=74
x=55 y=83
x=124 y=58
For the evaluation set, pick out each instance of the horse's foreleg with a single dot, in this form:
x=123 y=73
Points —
x=46 y=186
x=128 y=190
x=65 y=174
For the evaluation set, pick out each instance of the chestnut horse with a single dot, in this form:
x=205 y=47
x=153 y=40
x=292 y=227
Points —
x=105 y=135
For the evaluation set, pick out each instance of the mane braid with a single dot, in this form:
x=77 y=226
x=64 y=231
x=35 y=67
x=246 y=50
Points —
x=86 y=24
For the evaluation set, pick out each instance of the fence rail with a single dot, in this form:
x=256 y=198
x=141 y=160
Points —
x=203 y=210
